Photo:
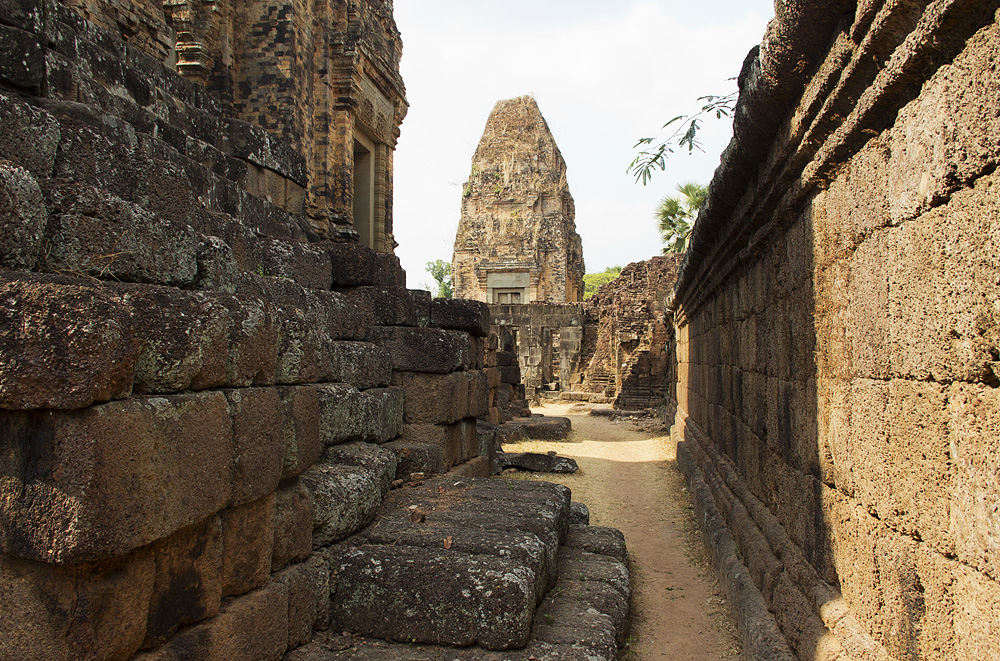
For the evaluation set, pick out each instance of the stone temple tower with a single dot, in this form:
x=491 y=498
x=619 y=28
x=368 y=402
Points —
x=517 y=240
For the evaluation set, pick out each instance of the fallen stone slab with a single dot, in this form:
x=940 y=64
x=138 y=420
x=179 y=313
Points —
x=537 y=462
x=542 y=428
x=440 y=595
x=599 y=540
x=330 y=645
x=607 y=412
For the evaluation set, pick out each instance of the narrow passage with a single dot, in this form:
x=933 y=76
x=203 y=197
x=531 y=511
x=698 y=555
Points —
x=630 y=480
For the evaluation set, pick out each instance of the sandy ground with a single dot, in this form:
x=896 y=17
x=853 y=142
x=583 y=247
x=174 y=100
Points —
x=629 y=479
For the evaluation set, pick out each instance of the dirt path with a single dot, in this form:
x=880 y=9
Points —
x=629 y=479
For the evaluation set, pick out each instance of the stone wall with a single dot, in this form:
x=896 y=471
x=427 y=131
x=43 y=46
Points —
x=547 y=339
x=516 y=240
x=198 y=396
x=838 y=335
x=627 y=336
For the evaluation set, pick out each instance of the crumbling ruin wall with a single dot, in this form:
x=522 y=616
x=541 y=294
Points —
x=516 y=240
x=547 y=339
x=197 y=396
x=627 y=336
x=838 y=334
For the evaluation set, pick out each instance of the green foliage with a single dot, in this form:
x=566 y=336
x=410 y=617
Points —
x=440 y=270
x=654 y=153
x=593 y=281
x=676 y=215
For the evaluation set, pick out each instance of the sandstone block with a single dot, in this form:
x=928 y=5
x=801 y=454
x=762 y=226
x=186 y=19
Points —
x=378 y=461
x=510 y=374
x=247 y=545
x=308 y=587
x=97 y=234
x=31 y=136
x=425 y=349
x=189 y=348
x=355 y=265
x=303 y=263
x=301 y=429
x=96 y=611
x=478 y=393
x=293 y=523
x=252 y=627
x=360 y=364
x=188 y=583
x=22 y=59
x=258 y=442
x=25 y=216
x=346 y=496
x=74 y=344
x=974 y=437
x=384 y=306
x=253 y=341
x=976 y=601
x=100 y=482
x=446 y=441
x=423 y=595
x=434 y=398
x=415 y=457
x=349 y=415
x=460 y=314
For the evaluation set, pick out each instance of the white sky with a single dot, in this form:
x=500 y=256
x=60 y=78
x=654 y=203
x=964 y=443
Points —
x=604 y=75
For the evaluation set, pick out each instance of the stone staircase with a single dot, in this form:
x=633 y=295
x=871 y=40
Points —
x=476 y=569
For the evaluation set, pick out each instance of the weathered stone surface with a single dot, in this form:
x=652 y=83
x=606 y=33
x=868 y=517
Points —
x=308 y=587
x=415 y=457
x=355 y=266
x=253 y=627
x=190 y=348
x=247 y=545
x=258 y=442
x=450 y=442
x=425 y=349
x=534 y=461
x=188 y=583
x=301 y=429
x=24 y=217
x=422 y=595
x=579 y=515
x=95 y=610
x=390 y=307
x=599 y=540
x=96 y=234
x=567 y=622
x=70 y=345
x=31 y=136
x=540 y=427
x=517 y=240
x=346 y=495
x=294 y=511
x=108 y=479
x=458 y=314
x=433 y=398
x=349 y=415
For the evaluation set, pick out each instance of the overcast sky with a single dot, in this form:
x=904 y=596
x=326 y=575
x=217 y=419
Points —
x=604 y=75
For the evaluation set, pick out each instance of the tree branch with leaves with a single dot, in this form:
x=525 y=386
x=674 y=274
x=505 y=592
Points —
x=654 y=154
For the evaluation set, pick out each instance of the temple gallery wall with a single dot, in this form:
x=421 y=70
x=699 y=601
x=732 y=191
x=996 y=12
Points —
x=214 y=381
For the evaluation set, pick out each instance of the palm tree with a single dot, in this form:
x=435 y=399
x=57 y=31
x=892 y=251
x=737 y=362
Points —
x=676 y=216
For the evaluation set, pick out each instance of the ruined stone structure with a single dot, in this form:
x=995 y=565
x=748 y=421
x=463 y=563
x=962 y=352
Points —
x=208 y=389
x=517 y=240
x=838 y=337
x=628 y=336
x=324 y=78
x=546 y=339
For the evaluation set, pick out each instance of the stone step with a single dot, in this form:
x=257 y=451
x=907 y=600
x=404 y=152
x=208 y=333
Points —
x=459 y=562
x=433 y=591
